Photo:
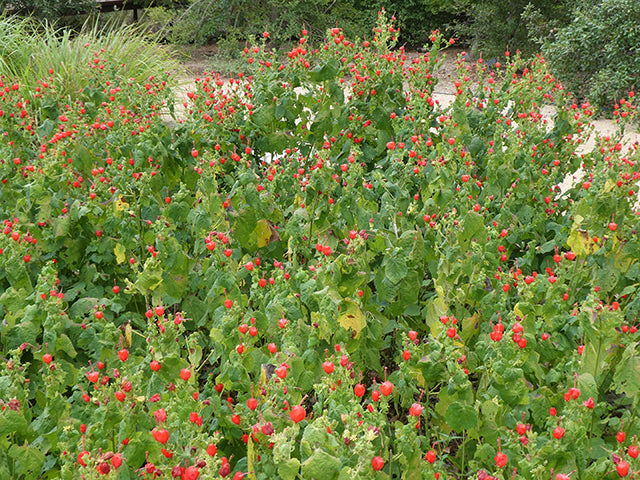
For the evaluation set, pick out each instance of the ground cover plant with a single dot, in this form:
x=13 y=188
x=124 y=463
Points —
x=318 y=272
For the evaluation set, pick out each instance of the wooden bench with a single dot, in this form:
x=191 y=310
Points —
x=117 y=5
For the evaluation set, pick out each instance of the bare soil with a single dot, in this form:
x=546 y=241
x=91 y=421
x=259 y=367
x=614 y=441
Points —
x=199 y=59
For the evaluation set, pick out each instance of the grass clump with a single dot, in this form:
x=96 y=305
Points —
x=72 y=61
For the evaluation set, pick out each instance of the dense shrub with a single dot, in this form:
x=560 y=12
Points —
x=319 y=273
x=495 y=26
x=597 y=56
x=232 y=22
x=202 y=21
x=48 y=9
x=416 y=19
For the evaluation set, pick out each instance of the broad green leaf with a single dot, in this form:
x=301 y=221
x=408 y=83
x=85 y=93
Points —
x=436 y=307
x=297 y=223
x=476 y=145
x=587 y=385
x=64 y=344
x=45 y=128
x=395 y=267
x=24 y=331
x=470 y=326
x=336 y=92
x=195 y=354
x=627 y=375
x=13 y=300
x=244 y=228
x=490 y=409
x=289 y=470
x=460 y=416
x=321 y=466
x=149 y=279
x=11 y=422
x=18 y=275
x=324 y=71
x=578 y=241
x=472 y=228
x=28 y=460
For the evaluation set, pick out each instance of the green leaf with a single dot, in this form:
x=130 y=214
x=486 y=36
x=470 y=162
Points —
x=324 y=71
x=244 y=228
x=64 y=344
x=178 y=211
x=45 y=128
x=627 y=375
x=13 y=300
x=297 y=224
x=460 y=417
x=472 y=228
x=11 y=422
x=336 y=92
x=82 y=307
x=628 y=290
x=61 y=226
x=321 y=466
x=150 y=278
x=25 y=331
x=29 y=461
x=436 y=307
x=263 y=233
x=432 y=368
x=395 y=268
x=289 y=470
x=383 y=123
x=18 y=275
x=476 y=145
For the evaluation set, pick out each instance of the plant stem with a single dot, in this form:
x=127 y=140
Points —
x=595 y=370
x=464 y=441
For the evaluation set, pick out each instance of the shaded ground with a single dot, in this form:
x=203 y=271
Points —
x=201 y=59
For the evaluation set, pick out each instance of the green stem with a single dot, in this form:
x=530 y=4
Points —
x=203 y=362
x=573 y=274
x=464 y=441
x=313 y=210
x=595 y=370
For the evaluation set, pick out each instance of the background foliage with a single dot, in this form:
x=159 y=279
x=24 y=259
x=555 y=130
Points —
x=318 y=272
x=596 y=54
x=50 y=10
x=497 y=26
x=571 y=34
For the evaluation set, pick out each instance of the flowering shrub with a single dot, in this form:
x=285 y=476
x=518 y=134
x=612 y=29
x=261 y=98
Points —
x=319 y=273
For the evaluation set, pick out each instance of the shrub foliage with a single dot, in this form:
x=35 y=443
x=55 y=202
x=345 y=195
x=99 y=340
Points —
x=319 y=273
x=48 y=9
x=596 y=54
